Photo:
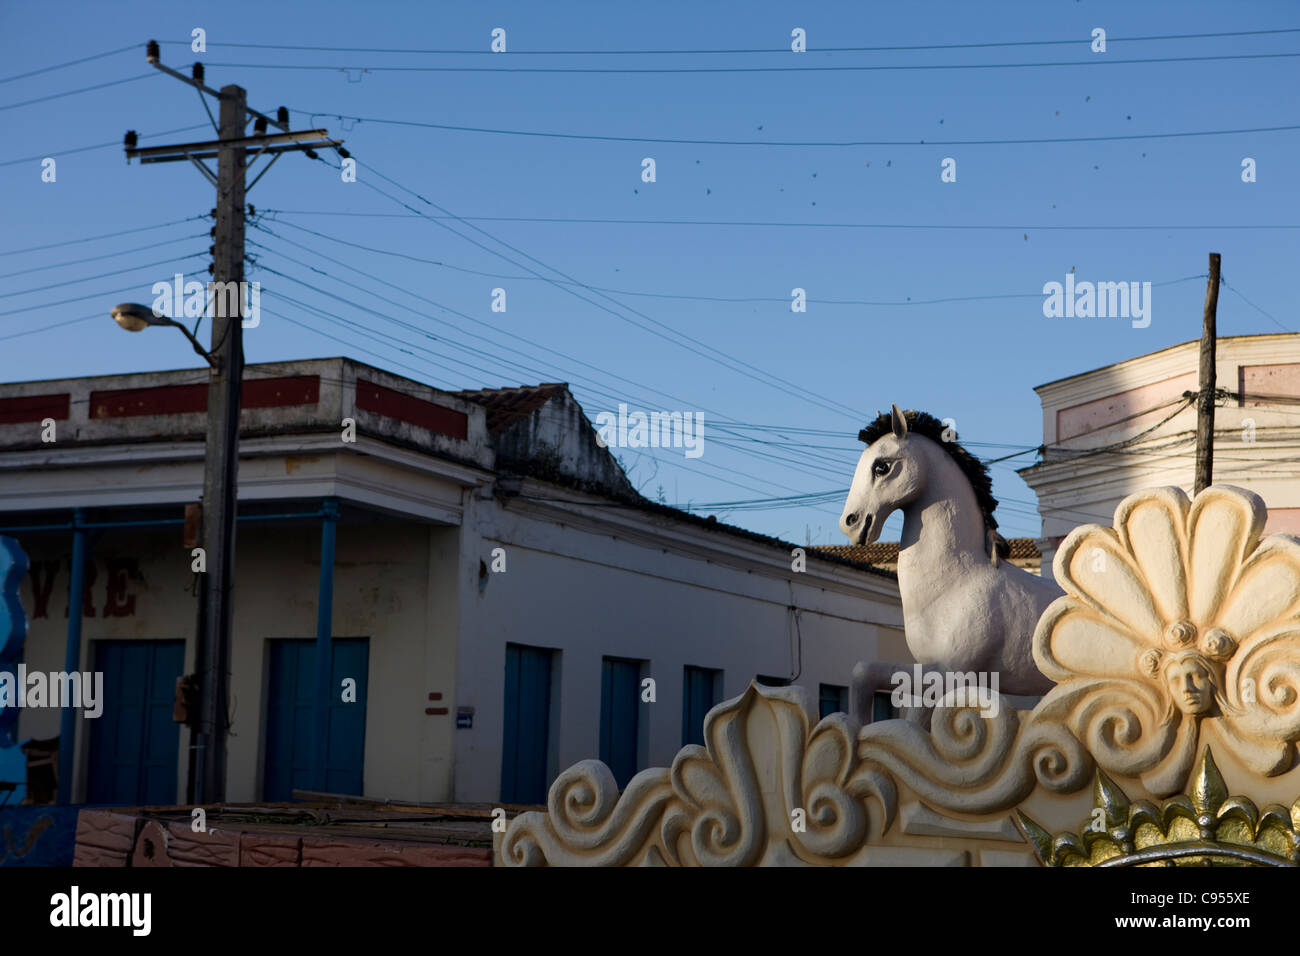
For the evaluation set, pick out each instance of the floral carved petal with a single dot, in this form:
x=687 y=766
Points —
x=1153 y=527
x=1266 y=589
x=1094 y=567
x=1073 y=639
x=1223 y=527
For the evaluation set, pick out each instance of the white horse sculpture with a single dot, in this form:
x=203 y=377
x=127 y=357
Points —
x=964 y=607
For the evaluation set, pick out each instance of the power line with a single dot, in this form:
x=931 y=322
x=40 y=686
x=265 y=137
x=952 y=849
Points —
x=716 y=356
x=107 y=235
x=721 y=425
x=102 y=275
x=678 y=296
x=87 y=149
x=1267 y=315
x=82 y=298
x=753 y=223
x=724 y=428
x=840 y=49
x=107 y=255
x=1098 y=61
x=56 y=325
x=339 y=320
x=537 y=345
x=404 y=346
x=795 y=143
x=84 y=89
x=60 y=66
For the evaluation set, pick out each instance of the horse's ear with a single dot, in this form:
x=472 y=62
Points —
x=897 y=422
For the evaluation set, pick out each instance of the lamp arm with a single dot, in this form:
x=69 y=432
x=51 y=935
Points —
x=207 y=356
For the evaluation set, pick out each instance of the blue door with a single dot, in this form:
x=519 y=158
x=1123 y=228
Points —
x=289 y=715
x=701 y=689
x=620 y=708
x=134 y=743
x=526 y=743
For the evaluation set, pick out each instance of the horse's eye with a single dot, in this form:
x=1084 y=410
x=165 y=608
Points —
x=880 y=469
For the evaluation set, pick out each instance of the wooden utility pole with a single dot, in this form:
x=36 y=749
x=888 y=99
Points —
x=1207 y=384
x=221 y=463
x=234 y=152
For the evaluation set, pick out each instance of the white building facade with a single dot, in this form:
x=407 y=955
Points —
x=1128 y=426
x=501 y=595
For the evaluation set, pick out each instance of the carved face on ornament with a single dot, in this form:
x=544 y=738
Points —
x=1190 y=668
x=1190 y=684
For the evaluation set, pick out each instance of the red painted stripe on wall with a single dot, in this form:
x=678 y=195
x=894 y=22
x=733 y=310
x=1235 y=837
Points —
x=412 y=410
x=34 y=408
x=185 y=399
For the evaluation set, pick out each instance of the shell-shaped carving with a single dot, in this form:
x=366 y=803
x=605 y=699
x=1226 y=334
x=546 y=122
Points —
x=1179 y=613
x=767 y=788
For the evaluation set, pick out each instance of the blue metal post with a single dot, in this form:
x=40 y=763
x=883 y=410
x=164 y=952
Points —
x=324 y=629
x=72 y=655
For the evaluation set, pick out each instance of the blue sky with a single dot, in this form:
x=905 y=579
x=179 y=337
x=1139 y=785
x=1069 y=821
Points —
x=869 y=231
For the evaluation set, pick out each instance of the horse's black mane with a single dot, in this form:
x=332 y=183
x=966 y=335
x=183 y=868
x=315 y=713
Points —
x=976 y=472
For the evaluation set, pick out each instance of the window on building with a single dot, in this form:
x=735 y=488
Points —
x=701 y=689
x=882 y=706
x=620 y=717
x=767 y=680
x=833 y=699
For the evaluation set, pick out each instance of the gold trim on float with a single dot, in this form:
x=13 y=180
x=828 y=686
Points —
x=1202 y=827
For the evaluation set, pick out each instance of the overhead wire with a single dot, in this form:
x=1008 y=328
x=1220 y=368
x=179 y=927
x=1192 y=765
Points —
x=840 y=49
x=61 y=66
x=842 y=68
x=107 y=235
x=776 y=224
x=720 y=422
x=709 y=352
x=814 y=144
x=102 y=275
x=84 y=89
x=679 y=296
x=86 y=149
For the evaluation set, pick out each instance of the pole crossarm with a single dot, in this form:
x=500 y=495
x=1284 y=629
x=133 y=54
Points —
x=269 y=150
x=304 y=139
x=197 y=84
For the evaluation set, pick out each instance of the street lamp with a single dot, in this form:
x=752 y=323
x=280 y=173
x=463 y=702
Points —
x=220 y=476
x=136 y=318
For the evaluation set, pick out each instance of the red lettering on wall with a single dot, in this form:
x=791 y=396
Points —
x=117 y=603
x=87 y=602
x=43 y=574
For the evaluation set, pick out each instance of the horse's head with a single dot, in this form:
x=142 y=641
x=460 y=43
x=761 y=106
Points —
x=889 y=476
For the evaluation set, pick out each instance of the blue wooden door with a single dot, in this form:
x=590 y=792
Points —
x=289 y=716
x=526 y=742
x=134 y=743
x=701 y=689
x=620 y=708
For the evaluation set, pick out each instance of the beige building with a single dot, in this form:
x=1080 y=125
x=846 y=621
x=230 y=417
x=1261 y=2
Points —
x=1131 y=425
